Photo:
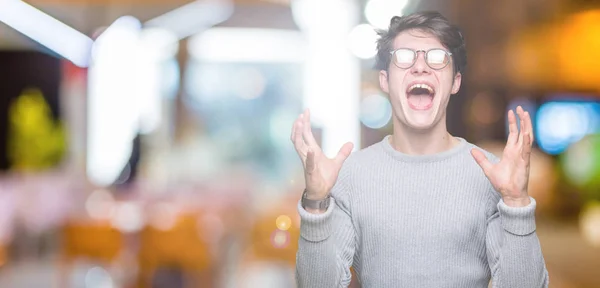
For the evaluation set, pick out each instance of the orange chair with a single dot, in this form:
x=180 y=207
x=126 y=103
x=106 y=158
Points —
x=93 y=240
x=3 y=255
x=274 y=235
x=269 y=243
x=181 y=247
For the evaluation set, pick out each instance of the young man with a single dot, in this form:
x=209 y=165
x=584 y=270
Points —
x=421 y=208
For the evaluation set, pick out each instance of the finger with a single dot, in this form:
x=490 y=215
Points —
x=483 y=162
x=512 y=128
x=526 y=148
x=344 y=153
x=529 y=127
x=520 y=141
x=520 y=110
x=521 y=114
x=310 y=161
x=309 y=139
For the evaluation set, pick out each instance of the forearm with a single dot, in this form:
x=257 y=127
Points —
x=320 y=261
x=317 y=265
x=520 y=262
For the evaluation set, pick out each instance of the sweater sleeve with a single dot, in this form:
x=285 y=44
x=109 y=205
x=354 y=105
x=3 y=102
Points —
x=513 y=248
x=327 y=242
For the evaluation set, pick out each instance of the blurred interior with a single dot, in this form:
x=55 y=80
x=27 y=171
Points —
x=146 y=143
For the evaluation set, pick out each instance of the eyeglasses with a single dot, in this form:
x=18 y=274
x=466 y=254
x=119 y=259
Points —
x=436 y=58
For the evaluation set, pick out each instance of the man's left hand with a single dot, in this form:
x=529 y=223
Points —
x=510 y=176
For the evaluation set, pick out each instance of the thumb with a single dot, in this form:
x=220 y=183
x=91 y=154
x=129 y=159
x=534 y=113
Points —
x=344 y=153
x=483 y=162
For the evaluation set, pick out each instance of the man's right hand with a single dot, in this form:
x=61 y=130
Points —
x=320 y=172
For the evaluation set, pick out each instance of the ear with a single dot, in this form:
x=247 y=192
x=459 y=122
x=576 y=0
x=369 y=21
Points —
x=456 y=83
x=383 y=81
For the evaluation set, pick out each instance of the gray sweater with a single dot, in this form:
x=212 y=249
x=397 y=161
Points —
x=418 y=221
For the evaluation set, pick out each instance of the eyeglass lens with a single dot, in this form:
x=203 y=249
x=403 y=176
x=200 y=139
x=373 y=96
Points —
x=435 y=58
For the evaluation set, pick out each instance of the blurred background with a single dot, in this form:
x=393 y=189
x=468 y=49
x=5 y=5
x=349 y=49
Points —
x=145 y=143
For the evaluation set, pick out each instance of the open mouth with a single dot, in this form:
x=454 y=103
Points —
x=420 y=96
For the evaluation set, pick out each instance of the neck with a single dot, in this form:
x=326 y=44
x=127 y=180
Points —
x=422 y=142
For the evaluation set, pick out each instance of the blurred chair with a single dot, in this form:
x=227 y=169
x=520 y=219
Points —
x=92 y=240
x=179 y=248
x=269 y=248
x=3 y=254
x=274 y=233
x=274 y=238
x=269 y=243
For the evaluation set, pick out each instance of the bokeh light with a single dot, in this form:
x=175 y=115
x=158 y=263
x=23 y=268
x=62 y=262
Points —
x=375 y=111
x=163 y=216
x=283 y=222
x=380 y=12
x=128 y=217
x=579 y=36
x=561 y=123
x=363 y=41
x=280 y=239
x=97 y=277
x=100 y=205
x=589 y=223
x=581 y=163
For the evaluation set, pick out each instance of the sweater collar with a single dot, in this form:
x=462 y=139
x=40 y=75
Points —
x=457 y=149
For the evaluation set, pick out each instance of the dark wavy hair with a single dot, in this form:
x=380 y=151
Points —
x=428 y=21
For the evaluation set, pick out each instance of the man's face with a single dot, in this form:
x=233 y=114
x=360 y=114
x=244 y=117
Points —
x=419 y=94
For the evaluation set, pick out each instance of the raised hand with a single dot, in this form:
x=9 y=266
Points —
x=320 y=172
x=510 y=176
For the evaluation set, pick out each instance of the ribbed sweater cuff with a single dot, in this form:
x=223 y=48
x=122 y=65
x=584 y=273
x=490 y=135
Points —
x=518 y=220
x=315 y=227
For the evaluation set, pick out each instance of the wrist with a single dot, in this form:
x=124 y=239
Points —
x=516 y=201
x=315 y=196
x=315 y=204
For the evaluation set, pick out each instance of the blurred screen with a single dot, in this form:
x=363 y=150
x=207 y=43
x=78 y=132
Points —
x=565 y=120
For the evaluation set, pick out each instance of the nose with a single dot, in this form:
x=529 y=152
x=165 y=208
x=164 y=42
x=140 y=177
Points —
x=420 y=66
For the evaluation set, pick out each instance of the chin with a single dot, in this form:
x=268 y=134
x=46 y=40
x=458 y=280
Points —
x=419 y=120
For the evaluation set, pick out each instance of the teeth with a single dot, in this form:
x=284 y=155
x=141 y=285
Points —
x=423 y=86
